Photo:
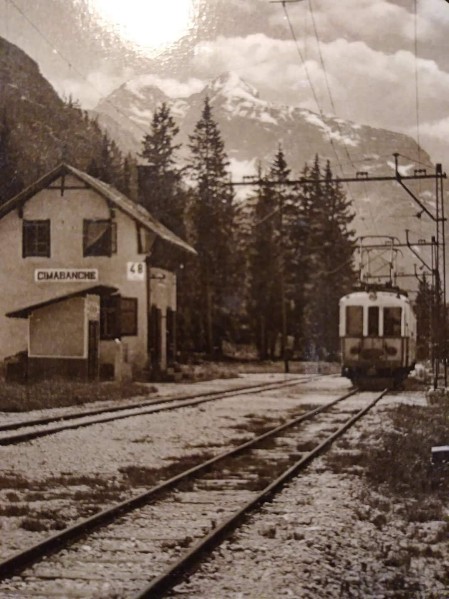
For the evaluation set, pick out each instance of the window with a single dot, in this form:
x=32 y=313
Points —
x=128 y=316
x=109 y=321
x=118 y=317
x=354 y=321
x=373 y=321
x=392 y=322
x=145 y=240
x=99 y=238
x=36 y=238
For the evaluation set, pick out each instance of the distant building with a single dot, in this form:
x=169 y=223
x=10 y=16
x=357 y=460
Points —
x=87 y=280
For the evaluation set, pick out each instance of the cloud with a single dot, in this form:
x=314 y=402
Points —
x=95 y=86
x=376 y=22
x=367 y=85
x=173 y=88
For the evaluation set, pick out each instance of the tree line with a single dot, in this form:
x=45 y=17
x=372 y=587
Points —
x=271 y=268
x=31 y=145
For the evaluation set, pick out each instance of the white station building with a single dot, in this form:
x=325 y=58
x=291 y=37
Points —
x=88 y=282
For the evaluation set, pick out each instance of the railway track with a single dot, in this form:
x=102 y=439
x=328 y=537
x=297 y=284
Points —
x=116 y=552
x=13 y=433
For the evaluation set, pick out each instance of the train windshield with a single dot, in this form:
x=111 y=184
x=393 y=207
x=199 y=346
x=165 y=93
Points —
x=392 y=322
x=354 y=320
x=373 y=321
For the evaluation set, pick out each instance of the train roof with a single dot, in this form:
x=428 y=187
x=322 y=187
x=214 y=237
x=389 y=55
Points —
x=390 y=297
x=387 y=287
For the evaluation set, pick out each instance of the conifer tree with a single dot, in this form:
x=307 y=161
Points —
x=270 y=289
x=10 y=180
x=129 y=181
x=107 y=165
x=212 y=216
x=424 y=301
x=330 y=260
x=160 y=189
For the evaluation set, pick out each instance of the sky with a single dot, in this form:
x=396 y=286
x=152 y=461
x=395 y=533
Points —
x=383 y=63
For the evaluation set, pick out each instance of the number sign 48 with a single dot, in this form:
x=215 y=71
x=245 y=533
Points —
x=135 y=271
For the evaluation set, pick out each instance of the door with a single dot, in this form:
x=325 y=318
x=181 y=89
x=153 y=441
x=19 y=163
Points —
x=155 y=338
x=171 y=337
x=92 y=352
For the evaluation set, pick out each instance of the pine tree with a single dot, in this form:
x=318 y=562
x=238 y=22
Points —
x=270 y=288
x=107 y=165
x=129 y=181
x=10 y=179
x=212 y=215
x=160 y=182
x=424 y=301
x=330 y=260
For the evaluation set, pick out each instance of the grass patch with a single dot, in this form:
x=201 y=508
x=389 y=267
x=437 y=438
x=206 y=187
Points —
x=141 y=476
x=400 y=459
x=207 y=371
x=258 y=425
x=397 y=463
x=203 y=370
x=16 y=397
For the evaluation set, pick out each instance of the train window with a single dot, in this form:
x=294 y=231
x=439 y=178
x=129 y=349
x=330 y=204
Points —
x=373 y=321
x=392 y=322
x=354 y=320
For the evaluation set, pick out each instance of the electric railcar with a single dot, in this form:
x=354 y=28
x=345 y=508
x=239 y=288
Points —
x=378 y=337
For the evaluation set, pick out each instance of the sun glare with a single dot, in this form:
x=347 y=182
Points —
x=151 y=24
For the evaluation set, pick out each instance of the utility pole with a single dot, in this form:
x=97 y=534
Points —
x=284 y=349
x=438 y=241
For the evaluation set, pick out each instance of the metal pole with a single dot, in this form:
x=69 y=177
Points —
x=439 y=171
x=282 y=286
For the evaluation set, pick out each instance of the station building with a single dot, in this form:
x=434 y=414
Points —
x=88 y=283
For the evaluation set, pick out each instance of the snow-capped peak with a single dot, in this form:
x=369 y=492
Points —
x=231 y=85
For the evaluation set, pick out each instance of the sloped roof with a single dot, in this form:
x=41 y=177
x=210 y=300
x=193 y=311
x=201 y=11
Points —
x=118 y=199
x=100 y=290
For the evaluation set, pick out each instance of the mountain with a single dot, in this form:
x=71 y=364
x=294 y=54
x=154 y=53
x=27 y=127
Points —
x=37 y=128
x=252 y=129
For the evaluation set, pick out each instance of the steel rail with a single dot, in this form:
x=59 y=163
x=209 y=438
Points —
x=129 y=406
x=191 y=558
x=19 y=561
x=174 y=403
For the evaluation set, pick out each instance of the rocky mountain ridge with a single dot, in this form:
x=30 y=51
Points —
x=253 y=128
x=45 y=129
x=38 y=129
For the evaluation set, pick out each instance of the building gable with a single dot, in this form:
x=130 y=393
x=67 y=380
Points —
x=65 y=178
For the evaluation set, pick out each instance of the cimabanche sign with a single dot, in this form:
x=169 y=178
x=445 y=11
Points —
x=66 y=275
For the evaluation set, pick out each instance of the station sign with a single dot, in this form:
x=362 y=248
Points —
x=135 y=271
x=66 y=275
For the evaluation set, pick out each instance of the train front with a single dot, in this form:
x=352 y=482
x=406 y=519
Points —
x=378 y=337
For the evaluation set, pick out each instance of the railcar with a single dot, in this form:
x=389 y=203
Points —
x=377 y=336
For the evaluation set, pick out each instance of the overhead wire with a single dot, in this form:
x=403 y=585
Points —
x=417 y=106
x=415 y=47
x=101 y=96
x=332 y=103
x=315 y=97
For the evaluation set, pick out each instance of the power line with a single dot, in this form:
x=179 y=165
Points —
x=315 y=96
x=415 y=44
x=56 y=51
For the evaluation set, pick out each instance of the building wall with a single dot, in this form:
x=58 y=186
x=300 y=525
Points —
x=163 y=296
x=66 y=213
x=59 y=330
